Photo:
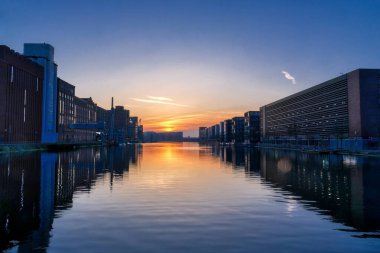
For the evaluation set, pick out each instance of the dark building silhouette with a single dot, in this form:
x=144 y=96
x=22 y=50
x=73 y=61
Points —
x=77 y=117
x=163 y=137
x=103 y=117
x=252 y=127
x=237 y=130
x=211 y=132
x=132 y=129
x=85 y=113
x=202 y=133
x=21 y=94
x=140 y=133
x=227 y=131
x=121 y=119
x=37 y=107
x=65 y=111
x=221 y=133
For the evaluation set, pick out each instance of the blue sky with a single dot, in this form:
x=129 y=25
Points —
x=210 y=59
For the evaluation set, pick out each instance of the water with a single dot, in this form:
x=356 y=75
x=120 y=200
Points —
x=188 y=198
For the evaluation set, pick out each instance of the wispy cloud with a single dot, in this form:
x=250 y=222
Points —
x=154 y=101
x=160 y=98
x=289 y=76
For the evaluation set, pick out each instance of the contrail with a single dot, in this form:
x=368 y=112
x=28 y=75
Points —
x=289 y=76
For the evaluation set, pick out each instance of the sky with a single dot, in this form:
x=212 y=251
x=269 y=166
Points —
x=179 y=65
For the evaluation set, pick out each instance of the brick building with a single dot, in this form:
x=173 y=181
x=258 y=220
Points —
x=65 y=111
x=21 y=85
x=85 y=113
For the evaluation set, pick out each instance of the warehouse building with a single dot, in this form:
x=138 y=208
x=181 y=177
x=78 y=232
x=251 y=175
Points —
x=251 y=127
x=21 y=98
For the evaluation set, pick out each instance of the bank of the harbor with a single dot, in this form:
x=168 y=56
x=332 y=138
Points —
x=27 y=147
x=358 y=152
x=306 y=149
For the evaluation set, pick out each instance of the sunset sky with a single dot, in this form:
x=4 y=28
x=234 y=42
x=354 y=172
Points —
x=179 y=65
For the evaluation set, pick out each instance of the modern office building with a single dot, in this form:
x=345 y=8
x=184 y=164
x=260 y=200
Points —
x=217 y=132
x=202 y=133
x=221 y=134
x=251 y=127
x=237 y=130
x=43 y=54
x=227 y=131
x=212 y=132
x=347 y=106
x=21 y=88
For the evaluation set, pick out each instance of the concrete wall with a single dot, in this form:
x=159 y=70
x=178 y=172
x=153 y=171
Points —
x=370 y=104
x=43 y=54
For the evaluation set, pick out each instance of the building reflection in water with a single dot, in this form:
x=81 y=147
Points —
x=36 y=187
x=345 y=188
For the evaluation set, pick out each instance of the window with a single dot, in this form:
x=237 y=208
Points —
x=24 y=105
x=11 y=74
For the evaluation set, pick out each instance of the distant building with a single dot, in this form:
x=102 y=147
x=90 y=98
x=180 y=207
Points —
x=85 y=113
x=217 y=132
x=251 y=127
x=132 y=129
x=237 y=130
x=213 y=132
x=227 y=131
x=140 y=133
x=21 y=95
x=221 y=134
x=208 y=133
x=77 y=117
x=103 y=117
x=121 y=119
x=202 y=133
x=163 y=137
x=344 y=107
x=43 y=54
x=65 y=111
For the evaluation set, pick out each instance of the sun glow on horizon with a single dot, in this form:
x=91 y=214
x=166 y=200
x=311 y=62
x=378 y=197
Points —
x=169 y=129
x=187 y=122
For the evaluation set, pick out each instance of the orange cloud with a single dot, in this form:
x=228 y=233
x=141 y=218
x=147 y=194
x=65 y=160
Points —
x=161 y=101
x=187 y=122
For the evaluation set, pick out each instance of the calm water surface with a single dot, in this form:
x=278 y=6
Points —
x=188 y=198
